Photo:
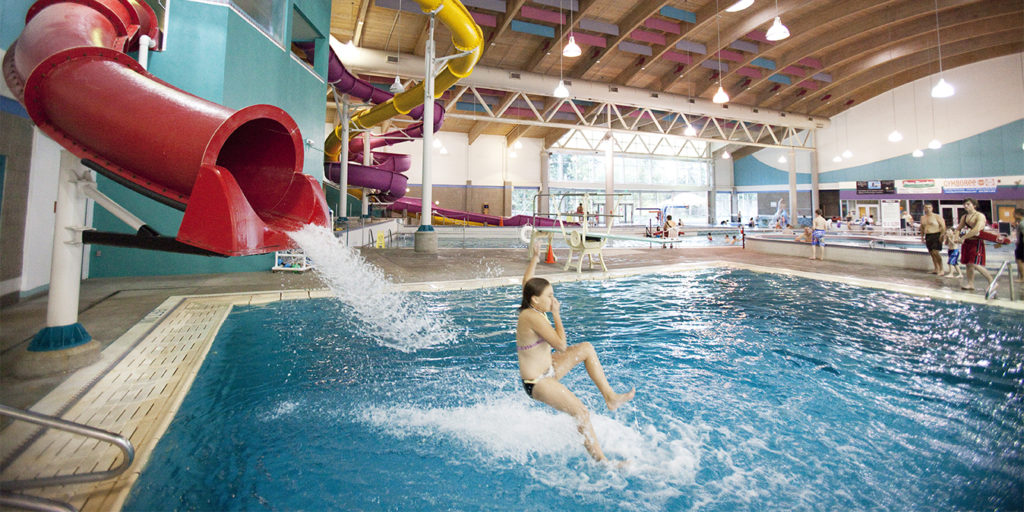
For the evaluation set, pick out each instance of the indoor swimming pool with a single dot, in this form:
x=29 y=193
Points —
x=459 y=241
x=754 y=392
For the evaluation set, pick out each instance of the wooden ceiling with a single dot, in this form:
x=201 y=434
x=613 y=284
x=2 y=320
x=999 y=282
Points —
x=839 y=54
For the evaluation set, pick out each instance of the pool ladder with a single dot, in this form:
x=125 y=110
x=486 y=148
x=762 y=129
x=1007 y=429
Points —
x=27 y=502
x=994 y=285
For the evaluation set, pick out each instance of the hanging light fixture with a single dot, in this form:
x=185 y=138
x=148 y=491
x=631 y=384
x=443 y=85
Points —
x=397 y=87
x=571 y=48
x=934 y=144
x=942 y=89
x=782 y=159
x=437 y=143
x=720 y=96
x=739 y=6
x=917 y=153
x=726 y=155
x=837 y=159
x=561 y=91
x=778 y=31
x=847 y=154
x=895 y=136
x=690 y=131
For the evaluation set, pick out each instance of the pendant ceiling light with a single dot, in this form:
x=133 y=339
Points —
x=895 y=136
x=720 y=96
x=837 y=159
x=739 y=6
x=690 y=131
x=397 y=87
x=561 y=91
x=934 y=144
x=726 y=155
x=917 y=153
x=782 y=159
x=571 y=48
x=778 y=31
x=942 y=89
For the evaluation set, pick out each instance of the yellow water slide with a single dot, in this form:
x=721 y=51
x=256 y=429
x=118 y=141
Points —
x=466 y=36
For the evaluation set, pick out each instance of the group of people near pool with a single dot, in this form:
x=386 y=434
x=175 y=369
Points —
x=963 y=243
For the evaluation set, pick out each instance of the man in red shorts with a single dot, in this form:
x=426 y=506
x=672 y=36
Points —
x=972 y=253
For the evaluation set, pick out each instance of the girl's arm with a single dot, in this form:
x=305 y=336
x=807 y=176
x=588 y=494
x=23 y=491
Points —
x=530 y=267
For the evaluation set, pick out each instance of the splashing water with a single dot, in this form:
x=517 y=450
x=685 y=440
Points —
x=396 y=319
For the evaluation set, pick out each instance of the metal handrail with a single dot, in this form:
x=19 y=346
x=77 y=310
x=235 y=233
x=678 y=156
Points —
x=994 y=285
x=75 y=428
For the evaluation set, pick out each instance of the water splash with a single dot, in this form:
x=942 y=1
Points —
x=395 y=319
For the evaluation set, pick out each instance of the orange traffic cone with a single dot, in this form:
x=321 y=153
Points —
x=551 y=255
x=501 y=221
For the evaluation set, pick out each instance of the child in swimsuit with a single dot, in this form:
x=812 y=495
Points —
x=952 y=242
x=541 y=370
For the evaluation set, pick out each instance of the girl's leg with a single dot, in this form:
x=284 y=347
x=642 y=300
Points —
x=584 y=352
x=555 y=394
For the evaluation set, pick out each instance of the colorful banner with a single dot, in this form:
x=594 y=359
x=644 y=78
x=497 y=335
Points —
x=969 y=185
x=876 y=187
x=918 y=187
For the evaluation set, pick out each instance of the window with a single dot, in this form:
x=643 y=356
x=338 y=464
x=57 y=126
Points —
x=723 y=207
x=305 y=38
x=746 y=205
x=524 y=200
x=268 y=15
x=578 y=167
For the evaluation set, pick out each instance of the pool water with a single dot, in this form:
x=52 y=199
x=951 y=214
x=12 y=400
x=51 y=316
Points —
x=755 y=392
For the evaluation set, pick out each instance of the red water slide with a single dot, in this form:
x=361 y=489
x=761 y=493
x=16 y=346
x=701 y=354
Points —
x=236 y=174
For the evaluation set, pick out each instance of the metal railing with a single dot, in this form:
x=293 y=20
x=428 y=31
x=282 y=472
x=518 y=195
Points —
x=993 y=287
x=37 y=503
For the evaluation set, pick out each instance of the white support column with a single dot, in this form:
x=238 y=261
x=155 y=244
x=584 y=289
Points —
x=544 y=206
x=792 y=187
x=343 y=176
x=425 y=239
x=609 y=182
x=367 y=161
x=815 y=186
x=62 y=328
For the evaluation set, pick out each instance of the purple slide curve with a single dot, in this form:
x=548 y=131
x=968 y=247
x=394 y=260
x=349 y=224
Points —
x=386 y=172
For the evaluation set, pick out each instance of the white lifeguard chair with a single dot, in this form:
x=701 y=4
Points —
x=578 y=243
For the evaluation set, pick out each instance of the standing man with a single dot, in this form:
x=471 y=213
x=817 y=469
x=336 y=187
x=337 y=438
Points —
x=972 y=253
x=932 y=227
x=818 y=234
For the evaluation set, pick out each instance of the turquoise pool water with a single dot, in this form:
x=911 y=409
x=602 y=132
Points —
x=755 y=392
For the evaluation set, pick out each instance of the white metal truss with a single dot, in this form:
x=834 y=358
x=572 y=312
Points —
x=576 y=114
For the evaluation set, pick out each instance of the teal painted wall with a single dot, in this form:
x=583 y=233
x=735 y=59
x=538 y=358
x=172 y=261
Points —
x=749 y=171
x=12 y=20
x=996 y=152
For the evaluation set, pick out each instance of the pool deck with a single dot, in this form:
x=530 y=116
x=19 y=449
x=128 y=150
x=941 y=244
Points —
x=154 y=332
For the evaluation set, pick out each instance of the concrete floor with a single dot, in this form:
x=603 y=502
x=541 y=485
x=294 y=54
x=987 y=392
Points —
x=109 y=307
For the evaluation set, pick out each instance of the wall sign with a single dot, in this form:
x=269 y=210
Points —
x=969 y=185
x=918 y=186
x=876 y=187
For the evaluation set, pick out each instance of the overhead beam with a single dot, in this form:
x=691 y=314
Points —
x=364 y=8
x=545 y=48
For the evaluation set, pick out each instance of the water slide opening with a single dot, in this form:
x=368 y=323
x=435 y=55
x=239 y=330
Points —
x=261 y=155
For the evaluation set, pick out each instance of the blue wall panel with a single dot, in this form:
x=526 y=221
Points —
x=749 y=171
x=996 y=152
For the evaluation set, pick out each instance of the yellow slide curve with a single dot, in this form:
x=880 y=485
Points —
x=466 y=36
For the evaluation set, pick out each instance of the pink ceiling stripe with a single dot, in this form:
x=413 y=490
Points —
x=751 y=72
x=589 y=39
x=811 y=62
x=793 y=70
x=758 y=35
x=534 y=13
x=662 y=25
x=733 y=56
x=484 y=20
x=648 y=37
x=677 y=57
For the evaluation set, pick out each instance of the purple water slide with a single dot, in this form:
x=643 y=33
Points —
x=415 y=205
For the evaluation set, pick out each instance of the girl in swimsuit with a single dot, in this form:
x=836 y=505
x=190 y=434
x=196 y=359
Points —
x=540 y=369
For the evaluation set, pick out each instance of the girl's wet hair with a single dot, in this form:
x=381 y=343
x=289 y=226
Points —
x=531 y=289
